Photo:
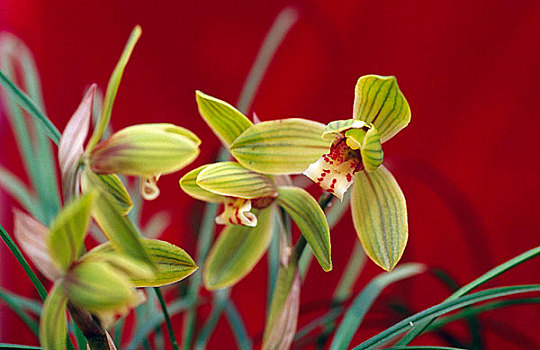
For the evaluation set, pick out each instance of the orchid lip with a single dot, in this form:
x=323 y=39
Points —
x=237 y=212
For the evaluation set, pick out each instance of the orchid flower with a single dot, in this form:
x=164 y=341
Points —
x=146 y=150
x=342 y=153
x=102 y=281
x=249 y=200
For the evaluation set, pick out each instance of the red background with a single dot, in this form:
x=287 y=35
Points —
x=468 y=162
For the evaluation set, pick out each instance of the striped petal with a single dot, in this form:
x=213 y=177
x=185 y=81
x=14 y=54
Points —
x=378 y=100
x=53 y=321
x=379 y=214
x=188 y=183
x=225 y=120
x=236 y=251
x=337 y=128
x=371 y=150
x=284 y=146
x=233 y=180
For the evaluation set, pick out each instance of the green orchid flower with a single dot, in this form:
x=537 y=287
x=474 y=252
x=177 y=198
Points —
x=340 y=154
x=249 y=200
x=102 y=281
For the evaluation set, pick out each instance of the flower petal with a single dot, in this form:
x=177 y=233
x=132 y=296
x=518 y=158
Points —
x=371 y=150
x=284 y=146
x=378 y=100
x=70 y=148
x=233 y=180
x=336 y=128
x=172 y=263
x=236 y=251
x=32 y=237
x=97 y=286
x=68 y=231
x=379 y=214
x=53 y=321
x=237 y=212
x=310 y=219
x=225 y=120
x=188 y=183
x=145 y=150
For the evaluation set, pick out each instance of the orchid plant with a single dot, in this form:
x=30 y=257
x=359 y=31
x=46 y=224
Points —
x=255 y=185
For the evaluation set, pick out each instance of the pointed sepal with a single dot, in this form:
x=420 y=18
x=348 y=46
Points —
x=53 y=321
x=379 y=215
x=188 y=184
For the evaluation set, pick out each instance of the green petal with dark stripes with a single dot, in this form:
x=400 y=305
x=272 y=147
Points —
x=379 y=215
x=188 y=184
x=378 y=100
x=116 y=192
x=337 y=127
x=68 y=231
x=233 y=180
x=237 y=250
x=225 y=120
x=172 y=263
x=310 y=219
x=371 y=150
x=285 y=146
x=53 y=322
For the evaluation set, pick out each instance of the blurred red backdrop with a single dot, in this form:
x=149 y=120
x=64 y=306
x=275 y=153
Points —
x=468 y=162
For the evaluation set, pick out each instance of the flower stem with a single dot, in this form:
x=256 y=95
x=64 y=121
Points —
x=174 y=343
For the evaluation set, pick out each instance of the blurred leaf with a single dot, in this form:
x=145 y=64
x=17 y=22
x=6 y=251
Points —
x=13 y=301
x=32 y=236
x=172 y=263
x=379 y=214
x=145 y=150
x=18 y=190
x=236 y=251
x=233 y=180
x=442 y=308
x=112 y=88
x=225 y=120
x=361 y=304
x=157 y=224
x=53 y=323
x=70 y=149
x=188 y=183
x=282 y=318
x=121 y=262
x=68 y=231
x=379 y=101
x=310 y=219
x=116 y=227
x=284 y=146
x=237 y=325
x=371 y=150
x=97 y=286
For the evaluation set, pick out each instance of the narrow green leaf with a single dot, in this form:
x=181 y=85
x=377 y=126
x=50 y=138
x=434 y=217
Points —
x=19 y=347
x=188 y=183
x=310 y=219
x=379 y=215
x=362 y=303
x=18 y=190
x=53 y=323
x=112 y=88
x=379 y=101
x=13 y=302
x=225 y=120
x=237 y=325
x=236 y=251
x=27 y=103
x=233 y=180
x=282 y=319
x=221 y=299
x=172 y=264
x=68 y=231
x=120 y=231
x=419 y=328
x=97 y=287
x=284 y=146
x=442 y=308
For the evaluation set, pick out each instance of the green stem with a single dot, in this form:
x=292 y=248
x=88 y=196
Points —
x=22 y=261
x=31 y=108
x=174 y=343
